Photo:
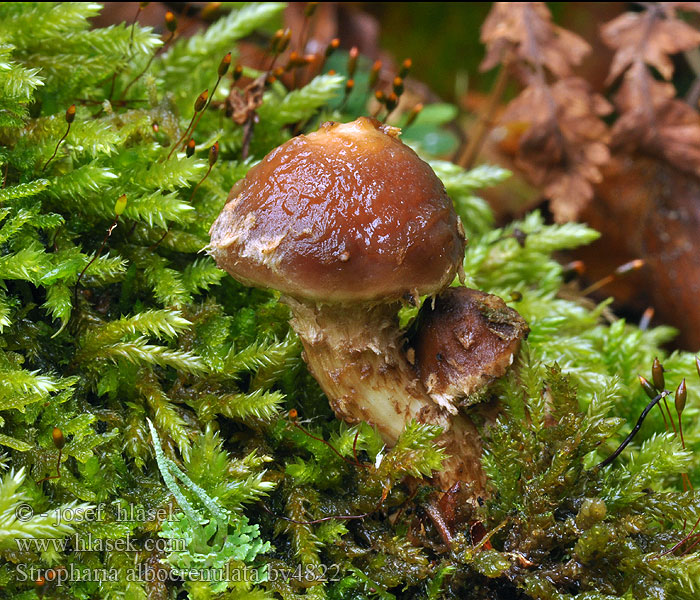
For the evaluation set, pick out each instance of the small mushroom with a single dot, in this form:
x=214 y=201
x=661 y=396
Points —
x=464 y=340
x=347 y=223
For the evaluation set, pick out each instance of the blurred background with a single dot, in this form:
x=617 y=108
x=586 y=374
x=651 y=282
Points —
x=442 y=38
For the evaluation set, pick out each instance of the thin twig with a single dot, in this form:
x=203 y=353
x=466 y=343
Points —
x=248 y=134
x=481 y=128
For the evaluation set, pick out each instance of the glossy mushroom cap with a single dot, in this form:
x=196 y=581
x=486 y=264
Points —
x=465 y=341
x=346 y=213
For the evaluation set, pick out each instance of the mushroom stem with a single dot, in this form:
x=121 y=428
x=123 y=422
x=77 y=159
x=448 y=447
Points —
x=355 y=353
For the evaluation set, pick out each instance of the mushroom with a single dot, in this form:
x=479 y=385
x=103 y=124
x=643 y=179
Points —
x=348 y=223
x=463 y=341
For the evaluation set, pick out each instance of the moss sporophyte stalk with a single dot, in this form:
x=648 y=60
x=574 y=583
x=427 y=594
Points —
x=136 y=373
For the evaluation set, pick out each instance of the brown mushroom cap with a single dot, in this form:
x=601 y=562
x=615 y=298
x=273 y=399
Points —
x=346 y=213
x=466 y=340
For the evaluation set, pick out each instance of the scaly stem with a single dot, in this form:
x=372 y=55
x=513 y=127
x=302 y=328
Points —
x=356 y=354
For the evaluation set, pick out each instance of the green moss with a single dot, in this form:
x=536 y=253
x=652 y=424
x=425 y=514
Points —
x=152 y=330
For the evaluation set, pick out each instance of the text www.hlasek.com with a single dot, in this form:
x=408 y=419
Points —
x=89 y=543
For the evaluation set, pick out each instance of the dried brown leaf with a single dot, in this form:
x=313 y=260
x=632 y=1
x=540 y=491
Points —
x=654 y=121
x=245 y=103
x=565 y=142
x=652 y=36
x=525 y=29
x=641 y=93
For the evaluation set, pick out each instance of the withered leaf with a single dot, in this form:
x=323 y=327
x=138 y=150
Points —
x=641 y=93
x=565 y=142
x=653 y=120
x=246 y=102
x=652 y=36
x=526 y=30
